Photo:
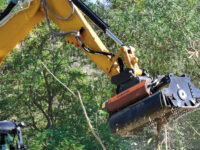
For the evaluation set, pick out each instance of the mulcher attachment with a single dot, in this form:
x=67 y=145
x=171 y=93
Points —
x=145 y=102
x=181 y=92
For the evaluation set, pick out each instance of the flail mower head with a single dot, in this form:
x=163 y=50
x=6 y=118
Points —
x=148 y=101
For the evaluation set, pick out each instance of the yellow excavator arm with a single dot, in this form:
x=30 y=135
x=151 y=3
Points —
x=139 y=98
x=20 y=24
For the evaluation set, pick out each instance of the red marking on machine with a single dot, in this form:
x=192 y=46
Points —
x=128 y=97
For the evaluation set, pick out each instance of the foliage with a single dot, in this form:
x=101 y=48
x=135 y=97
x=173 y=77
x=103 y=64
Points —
x=159 y=28
x=2 y=4
x=164 y=32
x=30 y=94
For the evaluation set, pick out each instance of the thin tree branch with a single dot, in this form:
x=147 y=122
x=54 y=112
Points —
x=89 y=123
x=166 y=142
x=84 y=110
x=59 y=80
x=39 y=106
x=50 y=95
x=193 y=128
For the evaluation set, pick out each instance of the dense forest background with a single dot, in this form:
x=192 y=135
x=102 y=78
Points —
x=166 y=35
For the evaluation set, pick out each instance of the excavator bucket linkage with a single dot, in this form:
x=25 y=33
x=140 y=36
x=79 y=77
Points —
x=144 y=102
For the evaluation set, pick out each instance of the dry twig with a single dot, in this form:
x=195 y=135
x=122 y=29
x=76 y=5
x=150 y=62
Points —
x=193 y=128
x=89 y=124
x=81 y=102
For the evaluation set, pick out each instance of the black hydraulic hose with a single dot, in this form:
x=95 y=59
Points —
x=120 y=61
x=87 y=11
x=8 y=9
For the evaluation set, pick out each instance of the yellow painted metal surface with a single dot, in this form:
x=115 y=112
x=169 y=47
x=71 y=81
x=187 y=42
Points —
x=130 y=60
x=18 y=27
x=89 y=37
x=22 y=23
